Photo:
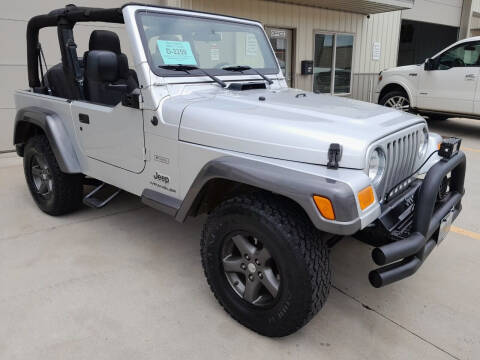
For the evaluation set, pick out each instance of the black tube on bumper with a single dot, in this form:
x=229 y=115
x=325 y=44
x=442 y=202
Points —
x=402 y=258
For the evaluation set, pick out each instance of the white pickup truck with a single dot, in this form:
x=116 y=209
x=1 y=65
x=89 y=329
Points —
x=445 y=85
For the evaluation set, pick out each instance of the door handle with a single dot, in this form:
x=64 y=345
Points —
x=470 y=77
x=83 y=118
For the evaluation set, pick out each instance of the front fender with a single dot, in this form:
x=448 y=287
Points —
x=52 y=125
x=293 y=184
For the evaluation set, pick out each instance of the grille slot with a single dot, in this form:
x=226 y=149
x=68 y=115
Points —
x=401 y=154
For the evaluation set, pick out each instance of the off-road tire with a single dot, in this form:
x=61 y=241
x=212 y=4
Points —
x=67 y=189
x=302 y=258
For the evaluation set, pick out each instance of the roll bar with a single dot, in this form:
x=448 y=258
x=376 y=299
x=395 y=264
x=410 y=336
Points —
x=65 y=17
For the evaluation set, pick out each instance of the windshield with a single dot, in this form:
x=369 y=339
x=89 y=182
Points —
x=205 y=43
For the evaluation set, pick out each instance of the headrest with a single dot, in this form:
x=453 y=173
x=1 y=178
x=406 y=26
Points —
x=102 y=65
x=104 y=40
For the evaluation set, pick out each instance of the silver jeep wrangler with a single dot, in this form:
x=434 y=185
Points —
x=203 y=122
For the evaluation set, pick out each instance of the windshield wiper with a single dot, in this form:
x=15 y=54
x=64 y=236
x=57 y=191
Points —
x=242 y=68
x=188 y=68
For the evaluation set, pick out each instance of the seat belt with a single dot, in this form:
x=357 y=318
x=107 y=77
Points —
x=41 y=56
x=77 y=72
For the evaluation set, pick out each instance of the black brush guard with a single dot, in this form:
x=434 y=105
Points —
x=402 y=258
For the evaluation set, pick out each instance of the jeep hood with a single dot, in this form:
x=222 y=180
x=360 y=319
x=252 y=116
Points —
x=288 y=124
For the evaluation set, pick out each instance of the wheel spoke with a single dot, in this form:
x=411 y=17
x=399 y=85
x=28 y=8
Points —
x=252 y=288
x=41 y=162
x=270 y=282
x=263 y=256
x=233 y=264
x=36 y=171
x=43 y=187
x=244 y=245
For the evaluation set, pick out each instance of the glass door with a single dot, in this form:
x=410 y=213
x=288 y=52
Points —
x=332 y=63
x=282 y=43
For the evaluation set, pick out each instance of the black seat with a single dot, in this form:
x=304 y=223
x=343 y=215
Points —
x=107 y=75
x=57 y=81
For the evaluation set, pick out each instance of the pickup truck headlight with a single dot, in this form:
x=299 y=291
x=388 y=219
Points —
x=376 y=166
x=423 y=143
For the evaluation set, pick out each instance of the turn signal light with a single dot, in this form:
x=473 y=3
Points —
x=366 y=197
x=324 y=205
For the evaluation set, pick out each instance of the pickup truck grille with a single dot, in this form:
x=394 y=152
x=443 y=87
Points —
x=401 y=154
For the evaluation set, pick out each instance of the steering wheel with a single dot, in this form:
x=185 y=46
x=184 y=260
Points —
x=458 y=63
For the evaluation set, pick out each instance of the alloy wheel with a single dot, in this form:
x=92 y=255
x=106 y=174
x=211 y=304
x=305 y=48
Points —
x=250 y=269
x=398 y=102
x=41 y=176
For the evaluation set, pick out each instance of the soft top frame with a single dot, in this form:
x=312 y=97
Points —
x=67 y=16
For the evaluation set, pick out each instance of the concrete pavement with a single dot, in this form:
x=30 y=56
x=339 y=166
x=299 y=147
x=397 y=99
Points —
x=126 y=282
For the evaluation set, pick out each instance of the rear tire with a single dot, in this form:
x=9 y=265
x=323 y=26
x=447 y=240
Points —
x=294 y=280
x=396 y=99
x=55 y=192
x=437 y=117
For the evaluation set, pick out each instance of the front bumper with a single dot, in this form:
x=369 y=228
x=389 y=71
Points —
x=404 y=256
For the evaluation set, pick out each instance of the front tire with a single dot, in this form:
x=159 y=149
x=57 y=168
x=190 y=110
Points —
x=55 y=192
x=265 y=263
x=396 y=99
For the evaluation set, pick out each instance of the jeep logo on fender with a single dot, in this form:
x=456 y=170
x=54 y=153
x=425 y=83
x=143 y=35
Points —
x=161 y=178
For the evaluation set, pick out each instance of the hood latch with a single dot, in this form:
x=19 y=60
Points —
x=334 y=156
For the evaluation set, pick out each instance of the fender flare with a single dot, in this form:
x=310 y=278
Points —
x=293 y=184
x=54 y=129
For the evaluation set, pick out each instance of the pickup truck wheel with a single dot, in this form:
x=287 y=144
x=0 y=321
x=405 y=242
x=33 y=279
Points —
x=437 y=117
x=396 y=99
x=55 y=192
x=265 y=264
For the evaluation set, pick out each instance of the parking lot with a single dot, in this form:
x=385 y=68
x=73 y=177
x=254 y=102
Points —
x=125 y=282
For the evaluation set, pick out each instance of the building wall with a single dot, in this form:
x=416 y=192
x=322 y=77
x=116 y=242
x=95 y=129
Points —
x=383 y=28
x=444 y=12
x=476 y=6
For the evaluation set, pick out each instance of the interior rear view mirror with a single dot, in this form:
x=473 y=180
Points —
x=207 y=36
x=470 y=48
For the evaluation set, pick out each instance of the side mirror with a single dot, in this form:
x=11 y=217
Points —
x=429 y=65
x=101 y=66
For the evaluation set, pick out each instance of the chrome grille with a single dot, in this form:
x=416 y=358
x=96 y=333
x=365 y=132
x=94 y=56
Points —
x=401 y=154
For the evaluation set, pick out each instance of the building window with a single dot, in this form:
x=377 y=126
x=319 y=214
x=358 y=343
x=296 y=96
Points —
x=332 y=63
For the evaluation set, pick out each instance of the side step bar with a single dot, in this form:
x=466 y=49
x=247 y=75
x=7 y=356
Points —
x=101 y=196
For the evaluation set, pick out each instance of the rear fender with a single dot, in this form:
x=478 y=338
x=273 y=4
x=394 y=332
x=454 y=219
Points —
x=29 y=118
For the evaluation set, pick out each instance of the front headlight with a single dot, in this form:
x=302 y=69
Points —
x=423 y=143
x=376 y=166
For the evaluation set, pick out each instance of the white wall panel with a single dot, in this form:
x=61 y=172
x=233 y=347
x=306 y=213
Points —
x=445 y=12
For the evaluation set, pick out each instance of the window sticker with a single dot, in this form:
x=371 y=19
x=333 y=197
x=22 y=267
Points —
x=251 y=45
x=214 y=53
x=176 y=52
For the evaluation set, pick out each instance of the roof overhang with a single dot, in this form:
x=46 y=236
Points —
x=365 y=7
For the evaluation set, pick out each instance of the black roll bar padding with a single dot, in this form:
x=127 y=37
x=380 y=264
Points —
x=72 y=14
x=415 y=249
